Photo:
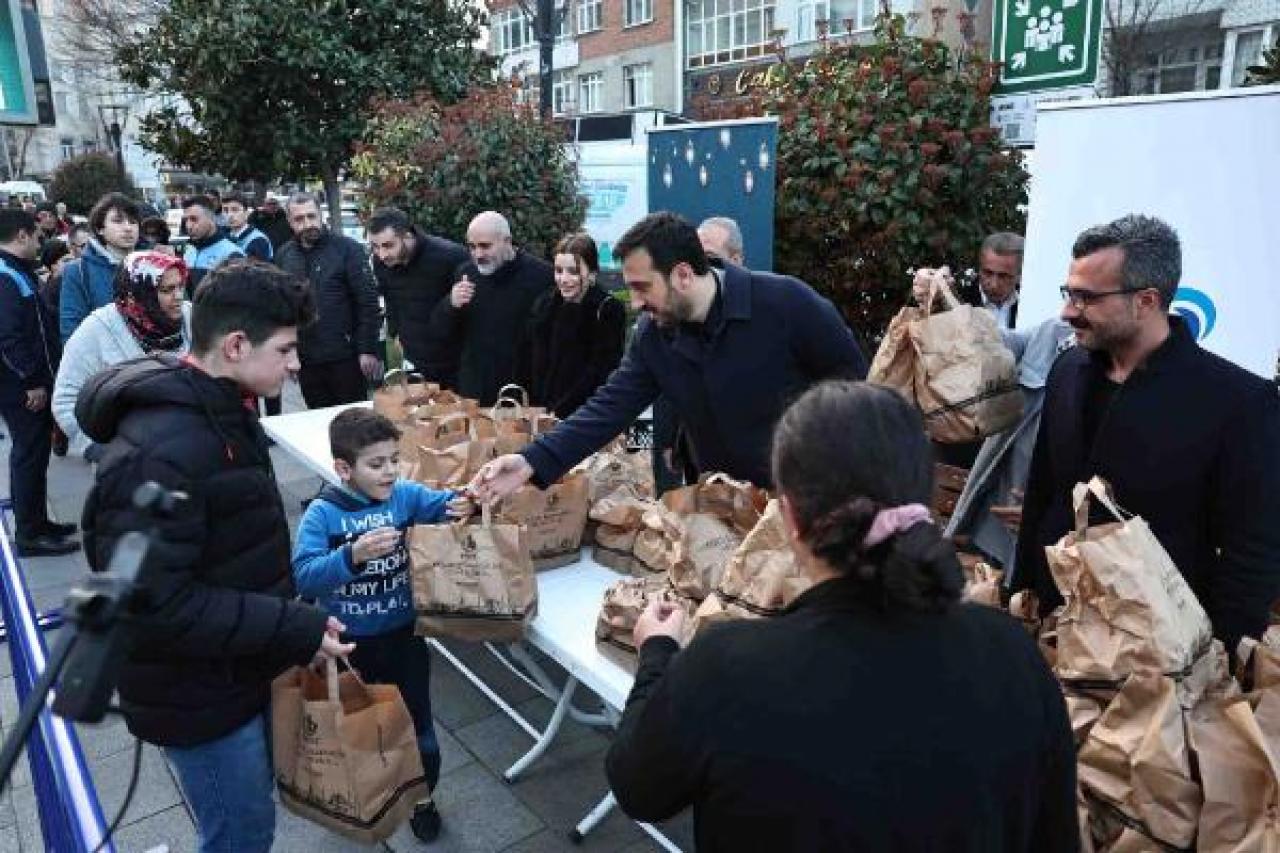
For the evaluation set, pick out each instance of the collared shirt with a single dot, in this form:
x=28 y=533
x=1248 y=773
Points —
x=1003 y=311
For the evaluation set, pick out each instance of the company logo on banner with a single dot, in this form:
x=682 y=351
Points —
x=1197 y=309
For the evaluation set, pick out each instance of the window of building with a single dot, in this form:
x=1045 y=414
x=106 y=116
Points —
x=1184 y=68
x=590 y=15
x=512 y=31
x=808 y=14
x=68 y=147
x=590 y=92
x=722 y=31
x=1248 y=52
x=562 y=92
x=564 y=31
x=637 y=85
x=637 y=12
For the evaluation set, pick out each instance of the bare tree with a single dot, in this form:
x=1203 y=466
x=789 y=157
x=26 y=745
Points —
x=1134 y=30
x=89 y=33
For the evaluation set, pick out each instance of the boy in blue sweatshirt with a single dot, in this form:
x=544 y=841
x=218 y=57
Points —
x=351 y=557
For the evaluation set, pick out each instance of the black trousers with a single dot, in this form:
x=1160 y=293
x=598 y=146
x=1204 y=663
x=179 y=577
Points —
x=32 y=434
x=333 y=383
x=404 y=660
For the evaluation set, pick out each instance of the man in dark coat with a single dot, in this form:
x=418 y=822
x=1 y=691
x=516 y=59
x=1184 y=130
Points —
x=999 y=278
x=29 y=348
x=487 y=311
x=415 y=271
x=222 y=620
x=1188 y=441
x=339 y=350
x=270 y=219
x=730 y=349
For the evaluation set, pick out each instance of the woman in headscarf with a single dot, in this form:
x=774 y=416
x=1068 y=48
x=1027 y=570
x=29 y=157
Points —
x=147 y=316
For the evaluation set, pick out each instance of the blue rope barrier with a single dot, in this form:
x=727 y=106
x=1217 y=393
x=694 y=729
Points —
x=70 y=814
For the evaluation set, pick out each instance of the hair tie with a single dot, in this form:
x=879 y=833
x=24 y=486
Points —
x=893 y=520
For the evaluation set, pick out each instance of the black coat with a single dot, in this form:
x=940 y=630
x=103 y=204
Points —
x=1191 y=443
x=223 y=620
x=571 y=348
x=412 y=292
x=29 y=342
x=838 y=727
x=347 y=315
x=275 y=227
x=489 y=331
x=728 y=380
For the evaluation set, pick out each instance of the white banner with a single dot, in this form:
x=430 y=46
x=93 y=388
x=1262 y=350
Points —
x=1206 y=163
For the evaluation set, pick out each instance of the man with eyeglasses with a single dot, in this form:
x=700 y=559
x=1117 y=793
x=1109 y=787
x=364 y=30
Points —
x=78 y=239
x=1189 y=441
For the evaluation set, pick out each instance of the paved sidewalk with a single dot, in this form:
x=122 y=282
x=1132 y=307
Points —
x=481 y=812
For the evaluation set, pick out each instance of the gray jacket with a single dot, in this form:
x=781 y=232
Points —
x=1004 y=461
x=103 y=339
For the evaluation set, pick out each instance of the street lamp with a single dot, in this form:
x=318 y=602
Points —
x=114 y=117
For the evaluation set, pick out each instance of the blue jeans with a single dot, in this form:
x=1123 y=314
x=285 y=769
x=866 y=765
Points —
x=228 y=783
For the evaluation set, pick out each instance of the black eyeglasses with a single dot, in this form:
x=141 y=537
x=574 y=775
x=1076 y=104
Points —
x=1084 y=298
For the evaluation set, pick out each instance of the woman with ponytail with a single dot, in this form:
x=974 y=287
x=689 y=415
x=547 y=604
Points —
x=879 y=712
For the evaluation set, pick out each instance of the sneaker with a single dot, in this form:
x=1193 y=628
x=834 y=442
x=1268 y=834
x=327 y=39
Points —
x=61 y=531
x=425 y=822
x=45 y=545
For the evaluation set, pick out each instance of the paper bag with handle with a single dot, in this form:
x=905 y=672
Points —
x=554 y=519
x=401 y=393
x=623 y=603
x=472 y=581
x=1127 y=607
x=761 y=579
x=345 y=753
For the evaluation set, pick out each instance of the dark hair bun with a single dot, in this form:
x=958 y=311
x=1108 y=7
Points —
x=914 y=569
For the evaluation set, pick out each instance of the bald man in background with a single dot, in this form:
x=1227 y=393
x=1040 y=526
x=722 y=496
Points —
x=485 y=317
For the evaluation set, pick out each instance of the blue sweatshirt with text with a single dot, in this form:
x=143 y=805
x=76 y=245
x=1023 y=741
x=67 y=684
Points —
x=373 y=597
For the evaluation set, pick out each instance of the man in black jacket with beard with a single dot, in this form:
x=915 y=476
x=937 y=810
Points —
x=222 y=619
x=488 y=307
x=339 y=350
x=1188 y=441
x=415 y=271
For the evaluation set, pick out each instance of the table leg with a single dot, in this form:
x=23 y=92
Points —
x=544 y=740
x=538 y=679
x=593 y=818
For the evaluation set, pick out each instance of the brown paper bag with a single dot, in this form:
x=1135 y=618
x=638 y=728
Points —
x=401 y=393
x=894 y=364
x=345 y=753
x=554 y=518
x=623 y=603
x=1237 y=745
x=964 y=380
x=1136 y=758
x=693 y=531
x=472 y=581
x=1127 y=606
x=616 y=469
x=617 y=518
x=761 y=579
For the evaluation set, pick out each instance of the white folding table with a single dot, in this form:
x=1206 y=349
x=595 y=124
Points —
x=564 y=629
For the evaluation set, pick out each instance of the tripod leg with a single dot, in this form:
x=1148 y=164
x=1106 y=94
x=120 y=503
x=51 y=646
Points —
x=35 y=704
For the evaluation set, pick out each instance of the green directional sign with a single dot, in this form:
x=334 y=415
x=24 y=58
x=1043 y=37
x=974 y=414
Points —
x=17 y=90
x=1046 y=44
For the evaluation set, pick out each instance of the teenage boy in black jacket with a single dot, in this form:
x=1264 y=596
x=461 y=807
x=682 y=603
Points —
x=223 y=620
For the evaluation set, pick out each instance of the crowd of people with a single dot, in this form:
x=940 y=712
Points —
x=858 y=720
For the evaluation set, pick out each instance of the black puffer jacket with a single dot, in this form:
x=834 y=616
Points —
x=347 y=316
x=223 y=621
x=572 y=348
x=412 y=292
